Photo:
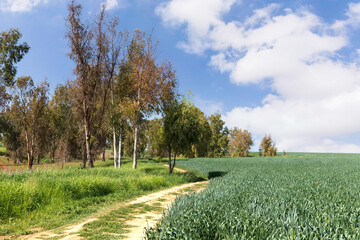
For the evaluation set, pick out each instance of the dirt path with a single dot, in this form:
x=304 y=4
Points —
x=163 y=201
x=158 y=202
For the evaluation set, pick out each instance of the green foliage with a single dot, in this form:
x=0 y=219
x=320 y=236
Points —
x=267 y=147
x=50 y=196
x=156 y=144
x=218 y=145
x=240 y=142
x=201 y=146
x=181 y=126
x=310 y=197
x=10 y=53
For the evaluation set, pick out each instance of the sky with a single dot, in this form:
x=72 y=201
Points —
x=286 y=68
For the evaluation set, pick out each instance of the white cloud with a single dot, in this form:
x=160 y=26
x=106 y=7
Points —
x=111 y=4
x=317 y=92
x=20 y=5
x=198 y=15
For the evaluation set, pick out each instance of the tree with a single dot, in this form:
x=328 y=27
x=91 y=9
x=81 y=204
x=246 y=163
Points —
x=181 y=129
x=11 y=52
x=95 y=55
x=149 y=82
x=201 y=147
x=219 y=140
x=11 y=138
x=28 y=106
x=240 y=142
x=63 y=126
x=156 y=144
x=267 y=147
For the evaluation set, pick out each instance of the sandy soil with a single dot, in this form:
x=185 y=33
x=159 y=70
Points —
x=139 y=222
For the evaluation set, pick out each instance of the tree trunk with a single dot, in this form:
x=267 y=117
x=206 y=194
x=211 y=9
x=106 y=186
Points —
x=38 y=159
x=173 y=166
x=30 y=160
x=88 y=147
x=170 y=169
x=114 y=141
x=135 y=146
x=29 y=151
x=103 y=155
x=120 y=142
x=63 y=162
x=84 y=156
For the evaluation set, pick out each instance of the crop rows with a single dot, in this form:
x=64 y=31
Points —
x=314 y=197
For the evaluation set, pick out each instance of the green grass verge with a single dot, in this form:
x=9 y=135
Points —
x=301 y=196
x=52 y=198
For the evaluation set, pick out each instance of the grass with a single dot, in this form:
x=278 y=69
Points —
x=301 y=196
x=113 y=225
x=50 y=198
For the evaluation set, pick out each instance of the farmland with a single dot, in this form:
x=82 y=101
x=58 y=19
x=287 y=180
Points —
x=301 y=196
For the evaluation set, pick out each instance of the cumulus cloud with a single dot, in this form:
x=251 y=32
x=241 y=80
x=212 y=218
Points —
x=199 y=16
x=317 y=92
x=20 y=5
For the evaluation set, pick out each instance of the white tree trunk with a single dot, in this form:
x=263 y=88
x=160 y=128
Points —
x=114 y=141
x=135 y=147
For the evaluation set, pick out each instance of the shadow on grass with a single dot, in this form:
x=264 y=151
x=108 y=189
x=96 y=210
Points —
x=216 y=174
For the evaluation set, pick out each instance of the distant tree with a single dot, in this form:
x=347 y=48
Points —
x=240 y=142
x=11 y=52
x=201 y=147
x=11 y=138
x=181 y=129
x=267 y=147
x=63 y=126
x=219 y=140
x=28 y=107
x=156 y=145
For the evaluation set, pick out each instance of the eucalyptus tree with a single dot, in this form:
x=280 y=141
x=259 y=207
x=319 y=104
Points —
x=27 y=109
x=11 y=52
x=63 y=125
x=149 y=82
x=219 y=140
x=267 y=146
x=95 y=50
x=240 y=142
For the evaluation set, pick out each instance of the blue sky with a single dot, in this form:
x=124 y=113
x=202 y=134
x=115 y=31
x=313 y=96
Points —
x=286 y=68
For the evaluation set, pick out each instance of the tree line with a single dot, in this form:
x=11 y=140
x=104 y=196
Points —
x=118 y=85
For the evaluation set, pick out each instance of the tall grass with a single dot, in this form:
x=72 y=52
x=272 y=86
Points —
x=45 y=196
x=315 y=196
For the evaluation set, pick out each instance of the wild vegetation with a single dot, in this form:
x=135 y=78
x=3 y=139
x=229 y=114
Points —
x=315 y=196
x=48 y=198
